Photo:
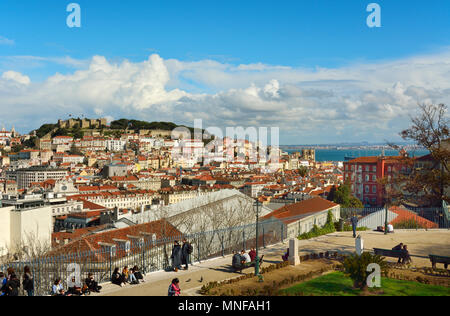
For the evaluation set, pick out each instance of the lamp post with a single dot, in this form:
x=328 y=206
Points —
x=260 y=277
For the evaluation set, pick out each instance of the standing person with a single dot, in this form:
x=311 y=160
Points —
x=174 y=288
x=12 y=286
x=252 y=254
x=186 y=251
x=176 y=256
x=28 y=281
x=354 y=221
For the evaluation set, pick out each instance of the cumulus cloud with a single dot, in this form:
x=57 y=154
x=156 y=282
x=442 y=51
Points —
x=370 y=101
x=6 y=41
x=16 y=77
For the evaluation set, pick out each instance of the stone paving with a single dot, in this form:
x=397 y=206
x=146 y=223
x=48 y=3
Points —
x=420 y=243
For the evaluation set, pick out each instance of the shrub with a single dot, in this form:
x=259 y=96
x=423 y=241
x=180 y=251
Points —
x=355 y=267
x=317 y=231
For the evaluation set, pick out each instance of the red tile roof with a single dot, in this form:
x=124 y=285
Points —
x=314 y=205
x=406 y=215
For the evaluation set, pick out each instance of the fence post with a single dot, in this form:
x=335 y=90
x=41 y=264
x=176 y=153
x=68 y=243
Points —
x=198 y=248
x=282 y=233
x=243 y=239
x=263 y=238
x=144 y=270
x=110 y=262
x=223 y=247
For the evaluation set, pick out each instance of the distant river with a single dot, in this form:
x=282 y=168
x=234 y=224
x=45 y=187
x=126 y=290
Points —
x=340 y=154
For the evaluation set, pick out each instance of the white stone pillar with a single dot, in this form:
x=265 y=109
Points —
x=359 y=245
x=294 y=259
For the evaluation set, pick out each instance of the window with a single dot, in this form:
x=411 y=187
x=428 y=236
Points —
x=367 y=189
x=367 y=177
x=374 y=178
x=374 y=189
x=374 y=168
x=367 y=168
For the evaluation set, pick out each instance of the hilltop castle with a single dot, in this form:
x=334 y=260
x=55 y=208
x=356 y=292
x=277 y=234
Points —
x=82 y=123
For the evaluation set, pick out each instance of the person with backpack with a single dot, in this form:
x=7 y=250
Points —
x=186 y=252
x=28 y=281
x=174 y=288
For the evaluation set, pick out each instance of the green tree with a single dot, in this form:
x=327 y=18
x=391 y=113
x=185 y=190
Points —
x=303 y=171
x=332 y=193
x=344 y=197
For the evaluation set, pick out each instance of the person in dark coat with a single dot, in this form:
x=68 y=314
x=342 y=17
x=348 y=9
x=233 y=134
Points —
x=237 y=262
x=117 y=278
x=354 y=221
x=186 y=251
x=91 y=284
x=176 y=256
x=28 y=281
x=137 y=273
x=12 y=286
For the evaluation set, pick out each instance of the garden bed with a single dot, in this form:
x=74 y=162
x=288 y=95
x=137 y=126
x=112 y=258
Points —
x=275 y=277
x=337 y=284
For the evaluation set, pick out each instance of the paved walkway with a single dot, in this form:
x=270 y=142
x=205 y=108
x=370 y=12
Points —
x=420 y=244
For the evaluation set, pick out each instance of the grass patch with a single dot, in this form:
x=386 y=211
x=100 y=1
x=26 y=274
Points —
x=337 y=284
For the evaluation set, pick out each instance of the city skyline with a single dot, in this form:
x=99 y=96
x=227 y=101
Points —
x=317 y=71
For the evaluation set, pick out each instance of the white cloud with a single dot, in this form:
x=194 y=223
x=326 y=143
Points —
x=362 y=101
x=6 y=41
x=16 y=77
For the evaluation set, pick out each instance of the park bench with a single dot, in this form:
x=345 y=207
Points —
x=439 y=259
x=388 y=252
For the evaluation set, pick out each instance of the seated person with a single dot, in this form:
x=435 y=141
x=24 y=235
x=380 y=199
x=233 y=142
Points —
x=132 y=278
x=137 y=273
x=398 y=248
x=390 y=228
x=406 y=257
x=75 y=289
x=125 y=274
x=91 y=284
x=285 y=257
x=117 y=278
x=252 y=254
x=246 y=258
x=237 y=262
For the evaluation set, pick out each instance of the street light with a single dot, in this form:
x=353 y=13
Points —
x=260 y=277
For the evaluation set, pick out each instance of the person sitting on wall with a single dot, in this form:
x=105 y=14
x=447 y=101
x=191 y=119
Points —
x=91 y=284
x=237 y=262
x=285 y=257
x=399 y=247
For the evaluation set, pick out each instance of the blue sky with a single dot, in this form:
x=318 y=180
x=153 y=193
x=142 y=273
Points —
x=299 y=35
